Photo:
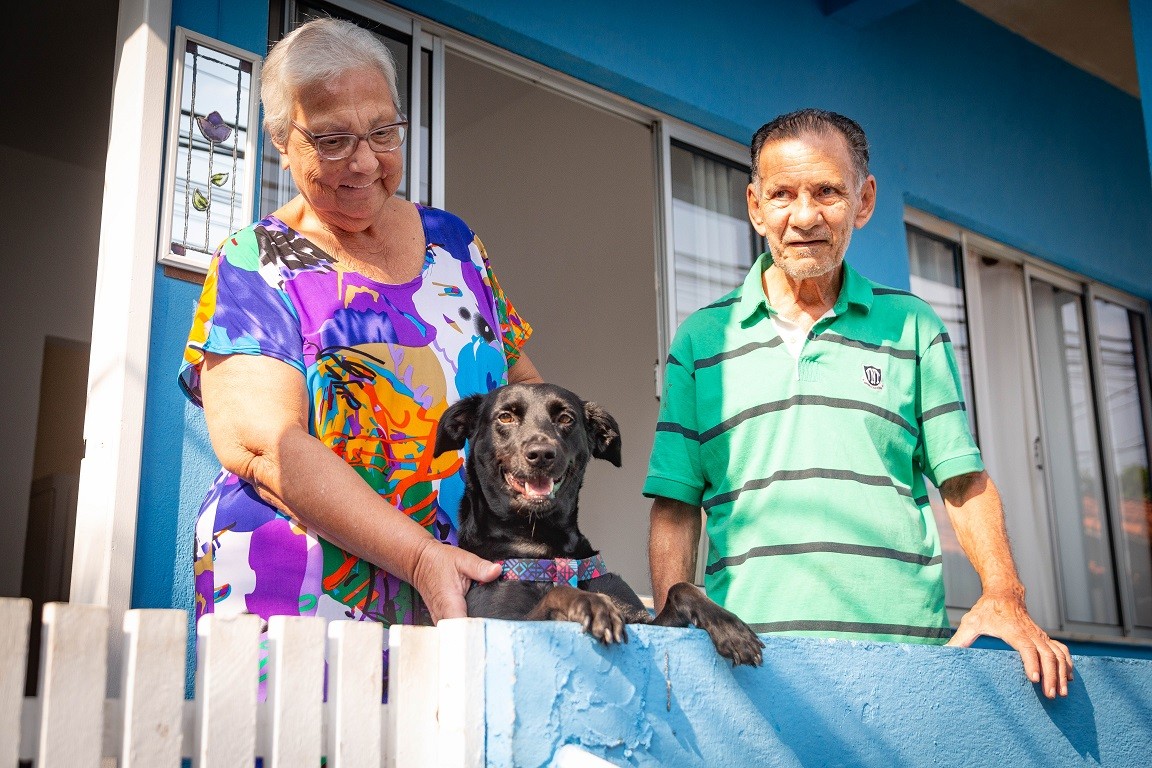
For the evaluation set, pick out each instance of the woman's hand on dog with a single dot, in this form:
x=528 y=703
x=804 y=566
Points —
x=443 y=575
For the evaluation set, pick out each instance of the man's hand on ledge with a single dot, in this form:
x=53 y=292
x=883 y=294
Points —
x=1046 y=661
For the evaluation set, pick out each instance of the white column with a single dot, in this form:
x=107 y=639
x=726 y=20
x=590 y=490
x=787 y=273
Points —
x=113 y=422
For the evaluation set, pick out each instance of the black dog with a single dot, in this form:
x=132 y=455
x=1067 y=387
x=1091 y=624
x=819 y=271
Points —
x=529 y=447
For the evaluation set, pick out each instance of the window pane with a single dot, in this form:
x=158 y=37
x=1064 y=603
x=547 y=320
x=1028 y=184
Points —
x=210 y=199
x=713 y=241
x=936 y=276
x=1121 y=335
x=1072 y=462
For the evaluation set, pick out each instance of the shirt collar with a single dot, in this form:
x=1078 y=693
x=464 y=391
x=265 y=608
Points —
x=856 y=291
x=752 y=298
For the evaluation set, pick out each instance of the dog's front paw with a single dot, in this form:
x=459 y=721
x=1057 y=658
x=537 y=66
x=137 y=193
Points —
x=599 y=616
x=734 y=640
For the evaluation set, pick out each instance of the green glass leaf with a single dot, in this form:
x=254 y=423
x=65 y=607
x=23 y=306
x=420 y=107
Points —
x=199 y=201
x=219 y=179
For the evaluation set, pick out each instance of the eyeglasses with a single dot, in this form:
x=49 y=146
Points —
x=337 y=146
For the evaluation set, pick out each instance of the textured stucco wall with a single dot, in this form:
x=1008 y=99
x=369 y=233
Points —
x=667 y=699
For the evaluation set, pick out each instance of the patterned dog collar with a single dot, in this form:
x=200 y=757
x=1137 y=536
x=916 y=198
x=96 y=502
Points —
x=560 y=570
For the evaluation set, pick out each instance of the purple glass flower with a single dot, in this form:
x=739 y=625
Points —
x=214 y=128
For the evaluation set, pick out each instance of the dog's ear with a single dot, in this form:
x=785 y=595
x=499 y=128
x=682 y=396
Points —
x=605 y=433
x=457 y=424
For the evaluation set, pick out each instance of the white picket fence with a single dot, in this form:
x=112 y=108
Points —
x=434 y=718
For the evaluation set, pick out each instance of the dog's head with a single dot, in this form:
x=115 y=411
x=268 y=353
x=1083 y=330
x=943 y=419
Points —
x=529 y=445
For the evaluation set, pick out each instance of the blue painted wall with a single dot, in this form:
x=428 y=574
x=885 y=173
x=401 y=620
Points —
x=1141 y=13
x=176 y=467
x=967 y=121
x=667 y=699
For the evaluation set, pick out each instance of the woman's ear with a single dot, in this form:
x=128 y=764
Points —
x=283 y=150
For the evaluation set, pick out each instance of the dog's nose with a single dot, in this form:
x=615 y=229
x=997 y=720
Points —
x=540 y=454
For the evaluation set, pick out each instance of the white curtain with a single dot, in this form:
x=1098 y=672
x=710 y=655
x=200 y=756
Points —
x=712 y=237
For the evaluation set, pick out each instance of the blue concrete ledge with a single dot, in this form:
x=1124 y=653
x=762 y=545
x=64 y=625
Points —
x=667 y=699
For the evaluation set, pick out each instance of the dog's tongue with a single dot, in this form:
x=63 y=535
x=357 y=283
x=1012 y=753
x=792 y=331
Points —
x=538 y=487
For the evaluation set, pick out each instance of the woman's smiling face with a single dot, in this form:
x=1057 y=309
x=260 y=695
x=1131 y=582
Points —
x=345 y=194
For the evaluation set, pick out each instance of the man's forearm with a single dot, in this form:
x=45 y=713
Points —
x=977 y=515
x=673 y=539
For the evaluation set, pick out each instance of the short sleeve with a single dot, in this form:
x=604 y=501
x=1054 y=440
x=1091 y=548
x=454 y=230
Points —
x=674 y=469
x=514 y=329
x=241 y=311
x=946 y=448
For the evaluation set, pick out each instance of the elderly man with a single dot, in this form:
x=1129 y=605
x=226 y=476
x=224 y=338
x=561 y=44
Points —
x=803 y=411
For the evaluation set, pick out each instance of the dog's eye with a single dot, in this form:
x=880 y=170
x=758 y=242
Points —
x=564 y=418
x=504 y=417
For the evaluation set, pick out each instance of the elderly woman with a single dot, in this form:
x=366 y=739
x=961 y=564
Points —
x=329 y=339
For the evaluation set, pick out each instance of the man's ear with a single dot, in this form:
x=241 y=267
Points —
x=457 y=424
x=867 y=202
x=605 y=433
x=755 y=213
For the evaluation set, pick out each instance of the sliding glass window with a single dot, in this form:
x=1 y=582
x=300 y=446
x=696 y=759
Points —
x=713 y=243
x=1056 y=366
x=937 y=276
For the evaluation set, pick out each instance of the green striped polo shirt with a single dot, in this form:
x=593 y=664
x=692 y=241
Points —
x=811 y=469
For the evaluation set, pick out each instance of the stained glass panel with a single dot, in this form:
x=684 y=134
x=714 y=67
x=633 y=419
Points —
x=211 y=149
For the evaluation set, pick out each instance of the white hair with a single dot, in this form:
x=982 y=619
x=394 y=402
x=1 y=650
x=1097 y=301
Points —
x=318 y=50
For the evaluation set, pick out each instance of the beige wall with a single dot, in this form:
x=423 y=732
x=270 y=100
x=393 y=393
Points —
x=49 y=243
x=563 y=196
x=56 y=66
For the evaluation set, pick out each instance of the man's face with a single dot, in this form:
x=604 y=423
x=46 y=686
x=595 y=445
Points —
x=808 y=201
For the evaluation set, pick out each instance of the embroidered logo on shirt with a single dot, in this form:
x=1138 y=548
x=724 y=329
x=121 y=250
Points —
x=873 y=377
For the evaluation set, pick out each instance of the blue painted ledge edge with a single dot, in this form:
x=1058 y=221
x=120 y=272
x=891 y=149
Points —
x=666 y=698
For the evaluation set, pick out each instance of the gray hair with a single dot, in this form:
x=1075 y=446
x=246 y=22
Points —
x=820 y=122
x=318 y=50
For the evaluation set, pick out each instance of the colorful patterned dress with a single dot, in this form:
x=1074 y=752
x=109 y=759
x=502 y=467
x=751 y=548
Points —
x=381 y=364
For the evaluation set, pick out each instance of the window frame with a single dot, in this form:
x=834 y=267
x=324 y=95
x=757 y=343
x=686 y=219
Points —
x=975 y=246
x=198 y=259
x=667 y=131
x=1067 y=282
x=1120 y=554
